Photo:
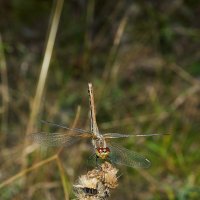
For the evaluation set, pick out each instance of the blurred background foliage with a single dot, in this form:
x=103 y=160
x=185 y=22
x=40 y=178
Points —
x=143 y=59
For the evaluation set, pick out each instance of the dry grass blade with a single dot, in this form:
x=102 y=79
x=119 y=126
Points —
x=87 y=36
x=4 y=89
x=25 y=171
x=111 y=68
x=55 y=16
x=116 y=42
x=184 y=74
x=45 y=64
x=182 y=97
x=66 y=186
x=54 y=157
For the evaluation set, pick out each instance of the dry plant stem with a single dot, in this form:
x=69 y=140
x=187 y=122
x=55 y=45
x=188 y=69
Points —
x=4 y=90
x=45 y=64
x=25 y=171
x=66 y=186
x=111 y=17
x=43 y=74
x=87 y=36
x=116 y=42
x=190 y=79
x=183 y=74
x=52 y=158
x=111 y=65
x=181 y=98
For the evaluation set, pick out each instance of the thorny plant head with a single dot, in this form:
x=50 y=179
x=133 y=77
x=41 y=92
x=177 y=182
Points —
x=97 y=183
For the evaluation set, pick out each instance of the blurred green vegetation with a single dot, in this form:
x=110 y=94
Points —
x=147 y=82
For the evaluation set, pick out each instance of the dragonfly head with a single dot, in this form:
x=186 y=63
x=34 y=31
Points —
x=102 y=152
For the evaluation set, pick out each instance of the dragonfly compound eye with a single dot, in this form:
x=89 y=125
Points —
x=100 y=150
x=107 y=149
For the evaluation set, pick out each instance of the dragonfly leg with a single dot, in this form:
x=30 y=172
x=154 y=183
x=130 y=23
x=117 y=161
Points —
x=97 y=159
x=98 y=162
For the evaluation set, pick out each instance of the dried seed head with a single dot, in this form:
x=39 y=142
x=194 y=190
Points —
x=110 y=175
x=88 y=182
x=96 y=184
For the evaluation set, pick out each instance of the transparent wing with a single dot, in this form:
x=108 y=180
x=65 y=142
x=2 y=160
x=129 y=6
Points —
x=123 y=156
x=56 y=139
x=116 y=135
x=65 y=127
x=120 y=135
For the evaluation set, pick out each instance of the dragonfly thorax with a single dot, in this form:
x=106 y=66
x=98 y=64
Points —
x=99 y=142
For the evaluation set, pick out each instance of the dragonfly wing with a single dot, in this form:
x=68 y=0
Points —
x=123 y=156
x=65 y=127
x=116 y=135
x=121 y=135
x=53 y=139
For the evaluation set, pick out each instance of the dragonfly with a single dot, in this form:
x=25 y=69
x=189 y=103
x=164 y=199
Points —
x=103 y=144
